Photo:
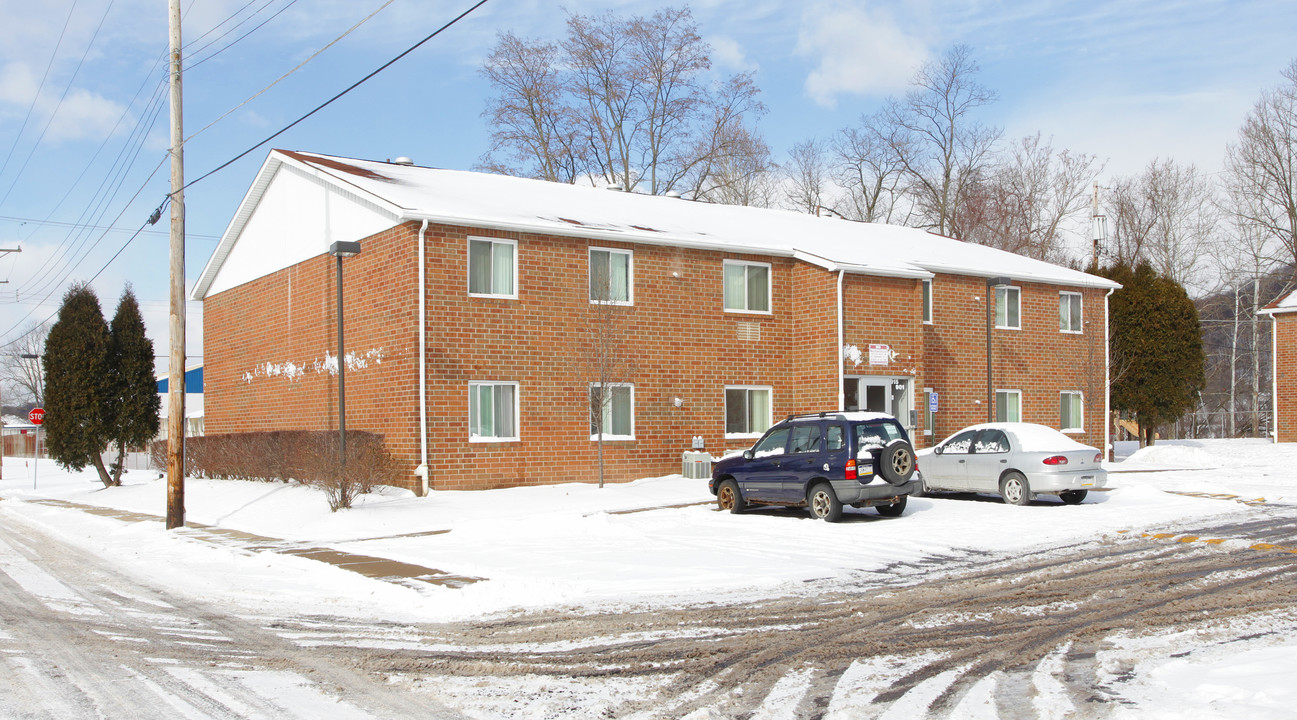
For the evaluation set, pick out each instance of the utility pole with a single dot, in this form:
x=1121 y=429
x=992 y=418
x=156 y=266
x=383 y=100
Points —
x=176 y=372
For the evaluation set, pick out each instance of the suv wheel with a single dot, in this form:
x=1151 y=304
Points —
x=893 y=510
x=824 y=503
x=729 y=498
x=896 y=462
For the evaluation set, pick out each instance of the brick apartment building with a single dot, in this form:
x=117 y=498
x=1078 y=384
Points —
x=1283 y=318
x=469 y=315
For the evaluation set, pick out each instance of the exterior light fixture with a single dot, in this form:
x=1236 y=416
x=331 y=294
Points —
x=340 y=250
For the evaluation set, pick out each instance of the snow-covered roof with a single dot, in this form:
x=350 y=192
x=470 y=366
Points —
x=1285 y=304
x=402 y=193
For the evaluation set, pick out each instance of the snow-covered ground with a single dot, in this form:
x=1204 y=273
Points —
x=578 y=544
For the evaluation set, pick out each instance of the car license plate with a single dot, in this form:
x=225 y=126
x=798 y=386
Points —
x=1087 y=480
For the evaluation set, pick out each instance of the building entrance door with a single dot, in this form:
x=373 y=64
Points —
x=891 y=395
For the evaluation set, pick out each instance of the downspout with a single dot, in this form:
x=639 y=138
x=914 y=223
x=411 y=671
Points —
x=422 y=470
x=1108 y=449
x=842 y=395
x=1274 y=375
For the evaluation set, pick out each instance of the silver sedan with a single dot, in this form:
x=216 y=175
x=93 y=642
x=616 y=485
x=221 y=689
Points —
x=1017 y=460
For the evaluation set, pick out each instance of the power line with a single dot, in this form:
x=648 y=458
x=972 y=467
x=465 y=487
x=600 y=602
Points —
x=237 y=40
x=330 y=101
x=4 y=166
x=59 y=106
x=314 y=55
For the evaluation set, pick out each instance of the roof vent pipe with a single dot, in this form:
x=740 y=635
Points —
x=403 y=160
x=673 y=194
x=616 y=187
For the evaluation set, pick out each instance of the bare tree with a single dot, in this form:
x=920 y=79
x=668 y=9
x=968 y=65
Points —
x=1020 y=203
x=608 y=363
x=21 y=366
x=806 y=177
x=733 y=164
x=1262 y=167
x=1167 y=215
x=940 y=144
x=531 y=123
x=625 y=100
x=870 y=172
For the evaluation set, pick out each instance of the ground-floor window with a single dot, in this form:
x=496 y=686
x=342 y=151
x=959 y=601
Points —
x=616 y=408
x=1008 y=406
x=492 y=411
x=747 y=410
x=1070 y=417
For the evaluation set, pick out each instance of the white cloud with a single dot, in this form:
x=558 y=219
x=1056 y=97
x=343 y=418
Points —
x=861 y=51
x=727 y=53
x=17 y=83
x=84 y=115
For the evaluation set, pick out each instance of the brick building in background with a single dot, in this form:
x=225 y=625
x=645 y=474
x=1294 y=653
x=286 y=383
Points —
x=1283 y=319
x=487 y=288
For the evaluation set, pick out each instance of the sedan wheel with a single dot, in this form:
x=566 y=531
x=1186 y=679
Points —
x=1073 y=497
x=1014 y=489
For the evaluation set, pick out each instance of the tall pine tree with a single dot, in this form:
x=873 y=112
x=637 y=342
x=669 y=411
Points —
x=78 y=383
x=1157 y=344
x=132 y=412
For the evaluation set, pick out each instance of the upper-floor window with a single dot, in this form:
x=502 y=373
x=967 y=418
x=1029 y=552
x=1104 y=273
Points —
x=747 y=410
x=927 y=301
x=747 y=286
x=492 y=267
x=1008 y=307
x=611 y=276
x=1069 y=312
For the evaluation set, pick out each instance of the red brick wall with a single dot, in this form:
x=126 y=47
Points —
x=683 y=343
x=1285 y=329
x=1038 y=360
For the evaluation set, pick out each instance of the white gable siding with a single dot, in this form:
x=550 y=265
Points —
x=296 y=218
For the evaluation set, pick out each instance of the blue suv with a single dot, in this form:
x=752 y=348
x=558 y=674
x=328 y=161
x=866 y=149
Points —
x=822 y=462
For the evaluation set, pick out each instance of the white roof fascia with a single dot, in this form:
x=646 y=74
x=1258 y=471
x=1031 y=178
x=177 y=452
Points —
x=275 y=161
x=1090 y=281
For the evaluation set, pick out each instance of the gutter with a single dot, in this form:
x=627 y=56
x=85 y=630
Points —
x=842 y=392
x=422 y=470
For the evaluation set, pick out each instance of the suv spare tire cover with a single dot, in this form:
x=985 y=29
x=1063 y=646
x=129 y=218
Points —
x=896 y=462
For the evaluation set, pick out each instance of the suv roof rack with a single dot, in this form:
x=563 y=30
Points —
x=821 y=414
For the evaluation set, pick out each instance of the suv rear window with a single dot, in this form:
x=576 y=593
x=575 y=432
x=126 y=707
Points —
x=876 y=434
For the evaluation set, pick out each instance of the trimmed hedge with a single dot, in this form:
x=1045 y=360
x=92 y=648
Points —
x=309 y=457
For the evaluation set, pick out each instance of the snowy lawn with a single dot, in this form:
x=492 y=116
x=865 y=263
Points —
x=578 y=544
x=661 y=540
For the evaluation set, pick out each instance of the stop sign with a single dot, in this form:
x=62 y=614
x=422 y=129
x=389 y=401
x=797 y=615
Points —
x=36 y=416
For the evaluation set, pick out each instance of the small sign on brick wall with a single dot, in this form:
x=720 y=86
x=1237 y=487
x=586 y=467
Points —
x=879 y=354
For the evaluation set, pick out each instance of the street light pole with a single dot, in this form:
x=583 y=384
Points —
x=340 y=250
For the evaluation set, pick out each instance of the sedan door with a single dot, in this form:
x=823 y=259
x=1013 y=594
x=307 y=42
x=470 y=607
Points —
x=948 y=470
x=990 y=458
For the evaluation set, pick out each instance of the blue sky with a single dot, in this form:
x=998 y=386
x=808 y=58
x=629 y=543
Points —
x=1126 y=81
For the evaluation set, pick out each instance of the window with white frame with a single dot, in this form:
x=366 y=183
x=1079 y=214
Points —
x=1071 y=416
x=1069 y=312
x=1008 y=406
x=492 y=267
x=747 y=410
x=611 y=276
x=1008 y=308
x=616 y=407
x=492 y=411
x=747 y=286
x=927 y=301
